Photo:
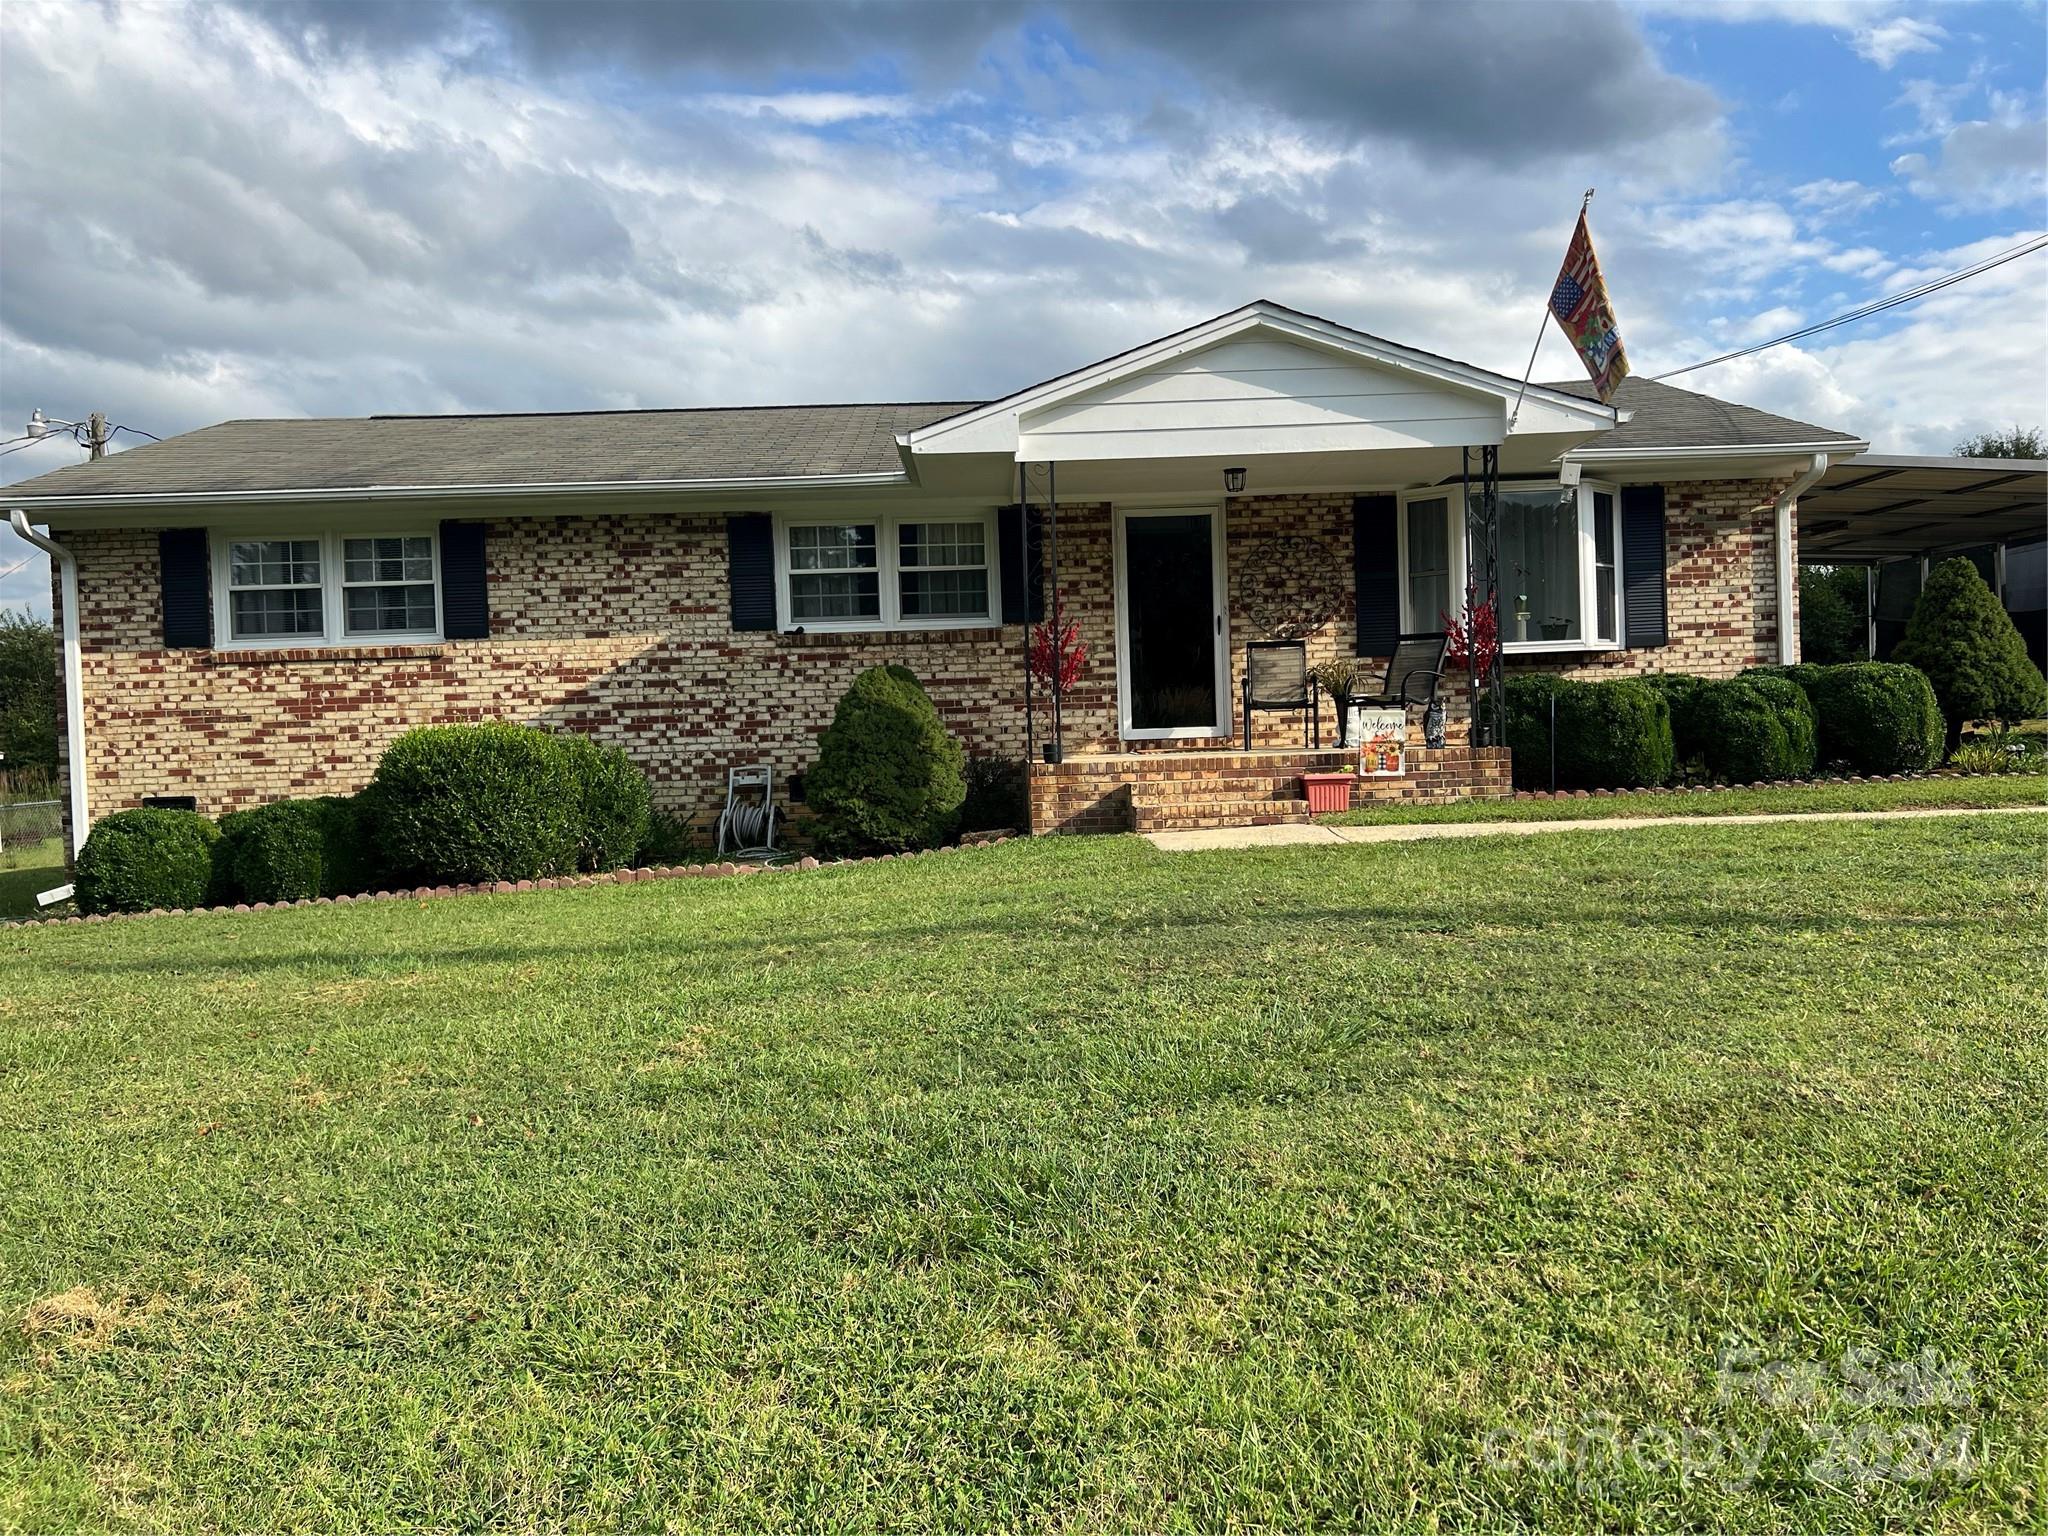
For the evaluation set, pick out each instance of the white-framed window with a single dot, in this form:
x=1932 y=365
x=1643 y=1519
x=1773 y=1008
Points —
x=887 y=571
x=328 y=588
x=1560 y=576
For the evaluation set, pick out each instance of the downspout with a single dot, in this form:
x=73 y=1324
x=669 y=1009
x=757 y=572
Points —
x=1788 y=571
x=74 y=682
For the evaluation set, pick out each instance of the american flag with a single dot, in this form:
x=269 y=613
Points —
x=1579 y=300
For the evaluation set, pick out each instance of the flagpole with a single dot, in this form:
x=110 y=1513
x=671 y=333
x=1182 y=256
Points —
x=1529 y=372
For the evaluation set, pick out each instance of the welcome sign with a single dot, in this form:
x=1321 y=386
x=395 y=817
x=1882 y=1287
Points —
x=1382 y=737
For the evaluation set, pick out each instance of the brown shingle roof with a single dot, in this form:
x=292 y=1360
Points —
x=1666 y=417
x=353 y=453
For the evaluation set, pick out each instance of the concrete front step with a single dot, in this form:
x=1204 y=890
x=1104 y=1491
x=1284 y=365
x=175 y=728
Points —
x=1181 y=815
x=1228 y=786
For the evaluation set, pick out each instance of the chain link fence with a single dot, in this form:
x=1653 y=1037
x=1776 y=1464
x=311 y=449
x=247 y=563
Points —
x=25 y=823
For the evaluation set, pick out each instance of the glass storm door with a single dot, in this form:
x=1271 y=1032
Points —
x=1172 y=677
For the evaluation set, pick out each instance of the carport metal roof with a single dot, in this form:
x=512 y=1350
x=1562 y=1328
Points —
x=1881 y=506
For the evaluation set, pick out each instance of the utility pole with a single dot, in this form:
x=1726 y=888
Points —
x=94 y=427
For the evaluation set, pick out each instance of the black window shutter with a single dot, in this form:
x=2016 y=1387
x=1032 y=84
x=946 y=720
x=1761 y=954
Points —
x=1023 y=565
x=465 y=595
x=750 y=564
x=1376 y=573
x=1642 y=566
x=187 y=588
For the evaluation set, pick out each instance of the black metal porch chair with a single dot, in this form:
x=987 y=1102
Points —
x=1414 y=672
x=1276 y=677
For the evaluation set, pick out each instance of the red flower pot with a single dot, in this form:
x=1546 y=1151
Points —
x=1327 y=792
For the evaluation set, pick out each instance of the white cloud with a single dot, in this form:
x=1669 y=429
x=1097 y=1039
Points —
x=1831 y=198
x=811 y=108
x=1982 y=165
x=1888 y=41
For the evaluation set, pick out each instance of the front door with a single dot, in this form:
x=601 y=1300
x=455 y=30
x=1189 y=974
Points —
x=1173 y=665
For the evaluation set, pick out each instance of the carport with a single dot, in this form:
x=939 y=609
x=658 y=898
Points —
x=1895 y=515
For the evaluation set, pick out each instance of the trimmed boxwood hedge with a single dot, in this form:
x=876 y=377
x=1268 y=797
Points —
x=1748 y=730
x=888 y=776
x=1611 y=734
x=1878 y=717
x=613 y=803
x=291 y=850
x=477 y=803
x=134 y=861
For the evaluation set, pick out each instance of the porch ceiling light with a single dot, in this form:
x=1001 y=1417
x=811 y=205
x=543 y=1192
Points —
x=1233 y=481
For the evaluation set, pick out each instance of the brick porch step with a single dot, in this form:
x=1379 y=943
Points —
x=1171 y=815
x=1226 y=786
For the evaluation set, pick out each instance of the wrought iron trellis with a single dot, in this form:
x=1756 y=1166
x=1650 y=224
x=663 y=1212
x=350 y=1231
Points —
x=1482 y=544
x=1045 y=478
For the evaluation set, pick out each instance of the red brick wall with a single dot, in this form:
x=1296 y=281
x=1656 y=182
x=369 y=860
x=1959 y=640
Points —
x=618 y=625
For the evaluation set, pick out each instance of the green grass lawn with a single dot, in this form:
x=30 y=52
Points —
x=26 y=870
x=1064 y=1185
x=1987 y=792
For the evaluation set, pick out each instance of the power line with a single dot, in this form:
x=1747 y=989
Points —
x=1876 y=306
x=137 y=431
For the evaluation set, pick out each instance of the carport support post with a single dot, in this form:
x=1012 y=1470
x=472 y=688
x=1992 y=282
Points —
x=1024 y=565
x=1870 y=612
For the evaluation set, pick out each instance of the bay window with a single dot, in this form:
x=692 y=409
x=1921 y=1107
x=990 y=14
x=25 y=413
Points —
x=1560 y=581
x=326 y=589
x=887 y=571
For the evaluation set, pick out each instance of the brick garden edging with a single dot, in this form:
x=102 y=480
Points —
x=1675 y=790
x=507 y=887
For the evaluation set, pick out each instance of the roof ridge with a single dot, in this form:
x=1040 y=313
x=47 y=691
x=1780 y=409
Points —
x=638 y=410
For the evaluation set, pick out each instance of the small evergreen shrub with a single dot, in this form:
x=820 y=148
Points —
x=472 y=804
x=1681 y=692
x=614 y=804
x=293 y=850
x=1612 y=734
x=997 y=798
x=669 y=839
x=1751 y=729
x=1878 y=717
x=134 y=861
x=888 y=776
x=1971 y=651
x=272 y=853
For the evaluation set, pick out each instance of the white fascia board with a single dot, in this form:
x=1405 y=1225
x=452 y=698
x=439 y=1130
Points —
x=47 y=506
x=1834 y=448
x=993 y=428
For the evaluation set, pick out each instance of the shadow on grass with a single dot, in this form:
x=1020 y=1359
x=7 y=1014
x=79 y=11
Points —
x=18 y=888
x=1385 y=925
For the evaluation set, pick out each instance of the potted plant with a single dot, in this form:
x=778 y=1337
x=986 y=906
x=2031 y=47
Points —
x=1338 y=678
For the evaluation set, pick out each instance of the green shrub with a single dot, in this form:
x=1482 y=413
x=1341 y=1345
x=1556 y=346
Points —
x=1614 y=734
x=134 y=861
x=1751 y=729
x=888 y=777
x=997 y=797
x=1681 y=692
x=1971 y=651
x=472 y=804
x=614 y=804
x=1834 y=622
x=669 y=839
x=1878 y=717
x=1796 y=713
x=292 y=850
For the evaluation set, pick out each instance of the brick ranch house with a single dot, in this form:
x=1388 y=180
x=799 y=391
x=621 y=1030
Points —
x=257 y=609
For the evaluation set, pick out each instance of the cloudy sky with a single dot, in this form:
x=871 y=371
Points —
x=335 y=208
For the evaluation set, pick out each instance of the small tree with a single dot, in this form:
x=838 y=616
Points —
x=1970 y=650
x=2019 y=443
x=888 y=776
x=1833 y=617
x=28 y=694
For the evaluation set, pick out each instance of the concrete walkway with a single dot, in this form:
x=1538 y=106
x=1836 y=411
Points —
x=1197 y=839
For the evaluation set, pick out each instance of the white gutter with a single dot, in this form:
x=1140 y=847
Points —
x=1838 y=446
x=882 y=478
x=74 y=682
x=1788 y=631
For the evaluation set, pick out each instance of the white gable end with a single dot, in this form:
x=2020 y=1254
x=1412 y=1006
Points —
x=1260 y=380
x=1256 y=394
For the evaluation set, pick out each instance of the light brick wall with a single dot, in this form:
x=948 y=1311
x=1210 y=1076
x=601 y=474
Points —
x=618 y=625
